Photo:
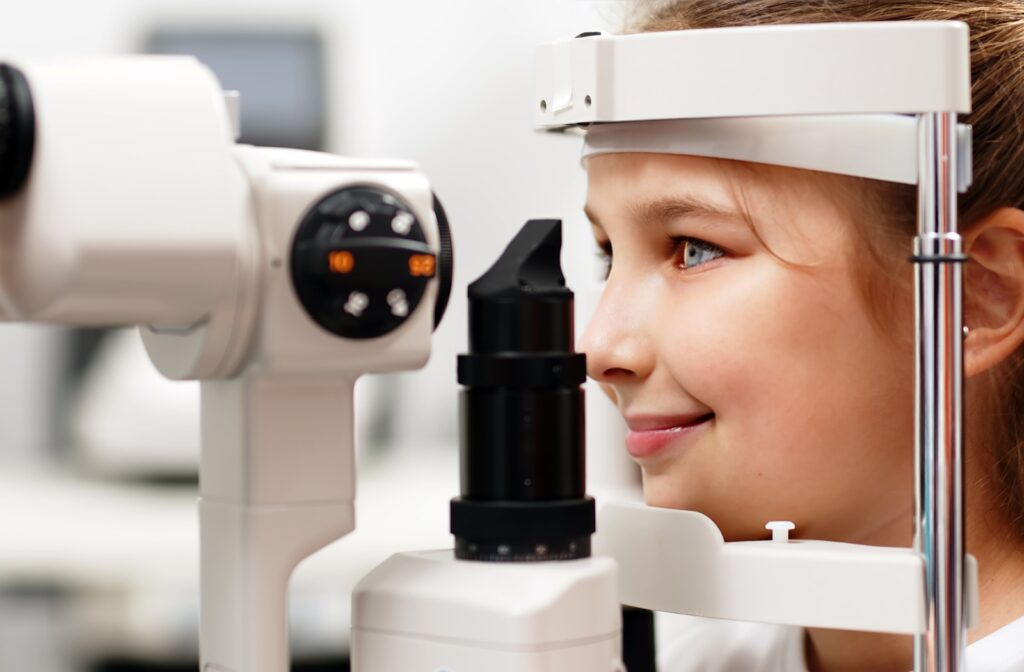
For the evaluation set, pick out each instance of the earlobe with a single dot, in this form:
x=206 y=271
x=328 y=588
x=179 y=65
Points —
x=994 y=290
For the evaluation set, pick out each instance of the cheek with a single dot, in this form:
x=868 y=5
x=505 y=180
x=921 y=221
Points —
x=758 y=333
x=810 y=400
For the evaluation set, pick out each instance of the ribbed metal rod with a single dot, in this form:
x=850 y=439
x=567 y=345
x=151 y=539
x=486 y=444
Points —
x=939 y=416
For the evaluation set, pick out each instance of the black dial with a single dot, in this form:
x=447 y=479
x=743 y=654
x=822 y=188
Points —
x=17 y=130
x=361 y=263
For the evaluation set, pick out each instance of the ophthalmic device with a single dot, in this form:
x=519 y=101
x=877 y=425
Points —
x=276 y=277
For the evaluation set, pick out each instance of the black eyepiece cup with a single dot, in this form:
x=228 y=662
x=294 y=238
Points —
x=522 y=437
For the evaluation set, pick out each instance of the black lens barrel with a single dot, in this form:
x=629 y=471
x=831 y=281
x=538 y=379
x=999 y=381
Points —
x=522 y=423
x=534 y=456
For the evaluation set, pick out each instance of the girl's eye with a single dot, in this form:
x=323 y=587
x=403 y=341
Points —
x=693 y=252
x=687 y=253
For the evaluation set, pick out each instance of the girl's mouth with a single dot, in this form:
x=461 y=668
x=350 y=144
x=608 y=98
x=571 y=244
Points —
x=650 y=435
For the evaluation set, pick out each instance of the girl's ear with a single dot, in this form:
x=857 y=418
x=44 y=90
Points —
x=994 y=290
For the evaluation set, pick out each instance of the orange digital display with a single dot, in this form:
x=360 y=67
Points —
x=422 y=265
x=341 y=262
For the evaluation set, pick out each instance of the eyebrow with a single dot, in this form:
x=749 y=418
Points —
x=664 y=209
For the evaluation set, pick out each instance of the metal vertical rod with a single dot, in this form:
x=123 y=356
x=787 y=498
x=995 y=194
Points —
x=939 y=418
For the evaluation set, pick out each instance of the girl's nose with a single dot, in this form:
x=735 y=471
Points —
x=617 y=346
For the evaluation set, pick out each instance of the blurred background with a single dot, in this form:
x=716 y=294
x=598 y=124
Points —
x=98 y=454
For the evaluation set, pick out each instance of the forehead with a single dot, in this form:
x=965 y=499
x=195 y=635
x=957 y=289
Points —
x=781 y=203
x=614 y=180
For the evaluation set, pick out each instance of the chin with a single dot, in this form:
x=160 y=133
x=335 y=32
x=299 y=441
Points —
x=664 y=494
x=667 y=496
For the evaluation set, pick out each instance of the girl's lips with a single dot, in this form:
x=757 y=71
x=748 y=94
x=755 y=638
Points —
x=650 y=435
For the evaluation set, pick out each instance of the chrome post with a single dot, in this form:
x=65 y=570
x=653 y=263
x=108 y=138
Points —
x=938 y=261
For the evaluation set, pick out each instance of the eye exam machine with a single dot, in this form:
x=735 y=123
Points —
x=878 y=101
x=277 y=277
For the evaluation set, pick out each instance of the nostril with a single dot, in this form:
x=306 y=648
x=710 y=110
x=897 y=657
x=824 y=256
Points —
x=616 y=372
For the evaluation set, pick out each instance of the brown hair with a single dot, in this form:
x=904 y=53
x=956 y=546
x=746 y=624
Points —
x=887 y=221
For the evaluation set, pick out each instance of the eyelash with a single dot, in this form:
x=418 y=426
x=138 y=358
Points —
x=678 y=247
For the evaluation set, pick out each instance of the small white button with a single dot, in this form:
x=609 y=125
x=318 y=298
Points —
x=359 y=220
x=398 y=302
x=356 y=304
x=780 y=529
x=402 y=223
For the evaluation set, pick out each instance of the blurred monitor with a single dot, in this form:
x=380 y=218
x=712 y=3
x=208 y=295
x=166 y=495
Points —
x=279 y=74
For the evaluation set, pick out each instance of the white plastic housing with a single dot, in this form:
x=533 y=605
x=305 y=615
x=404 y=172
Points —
x=140 y=209
x=876 y=146
x=284 y=184
x=426 y=612
x=277 y=471
x=910 y=67
x=807 y=583
x=134 y=212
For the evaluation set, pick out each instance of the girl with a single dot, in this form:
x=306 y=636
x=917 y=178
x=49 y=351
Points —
x=757 y=334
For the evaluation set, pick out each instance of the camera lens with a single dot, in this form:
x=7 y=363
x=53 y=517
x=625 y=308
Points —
x=17 y=130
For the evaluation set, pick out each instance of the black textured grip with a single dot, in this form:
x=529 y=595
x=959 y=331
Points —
x=445 y=262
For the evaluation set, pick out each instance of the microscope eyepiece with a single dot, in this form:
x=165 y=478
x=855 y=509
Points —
x=17 y=130
x=522 y=438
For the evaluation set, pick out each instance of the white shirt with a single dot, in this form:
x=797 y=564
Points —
x=690 y=644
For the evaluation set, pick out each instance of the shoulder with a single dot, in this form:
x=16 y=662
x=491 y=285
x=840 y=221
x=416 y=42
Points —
x=1002 y=651
x=691 y=644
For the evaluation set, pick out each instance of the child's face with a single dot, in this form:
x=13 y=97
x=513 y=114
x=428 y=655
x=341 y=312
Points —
x=756 y=388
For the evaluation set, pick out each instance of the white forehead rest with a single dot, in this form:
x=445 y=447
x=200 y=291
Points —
x=876 y=146
x=906 y=67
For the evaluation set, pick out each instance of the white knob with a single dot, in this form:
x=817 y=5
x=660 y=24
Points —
x=357 y=304
x=359 y=220
x=780 y=529
x=402 y=223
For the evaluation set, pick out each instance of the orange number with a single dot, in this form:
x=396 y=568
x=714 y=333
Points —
x=422 y=265
x=341 y=262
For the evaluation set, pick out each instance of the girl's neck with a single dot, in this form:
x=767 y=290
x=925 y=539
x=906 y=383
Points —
x=845 y=650
x=999 y=550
